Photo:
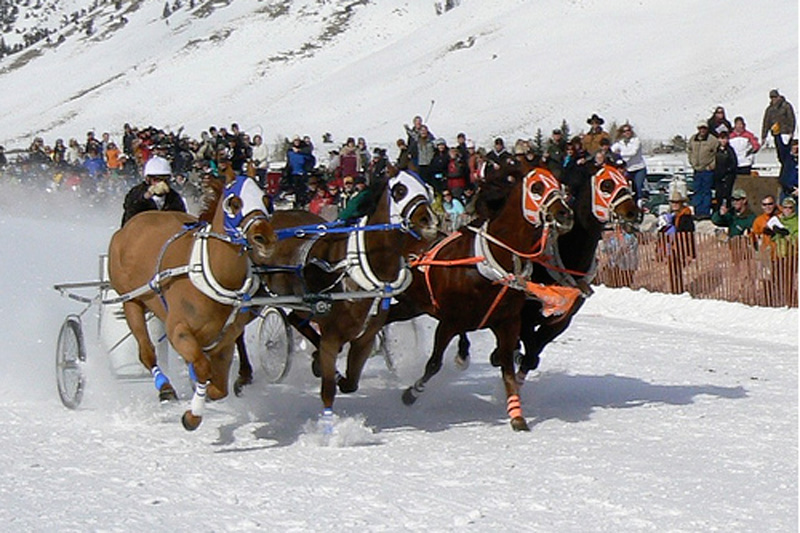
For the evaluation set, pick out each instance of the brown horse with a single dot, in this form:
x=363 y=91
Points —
x=194 y=276
x=475 y=278
x=368 y=258
x=601 y=195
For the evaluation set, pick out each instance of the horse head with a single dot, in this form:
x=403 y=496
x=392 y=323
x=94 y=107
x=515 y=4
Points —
x=543 y=201
x=612 y=200
x=410 y=206
x=247 y=218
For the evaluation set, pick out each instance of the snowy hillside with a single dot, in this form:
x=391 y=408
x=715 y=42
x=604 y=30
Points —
x=359 y=67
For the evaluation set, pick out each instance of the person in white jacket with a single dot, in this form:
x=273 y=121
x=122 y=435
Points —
x=629 y=148
x=745 y=144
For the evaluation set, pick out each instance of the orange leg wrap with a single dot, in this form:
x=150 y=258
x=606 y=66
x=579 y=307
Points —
x=514 y=406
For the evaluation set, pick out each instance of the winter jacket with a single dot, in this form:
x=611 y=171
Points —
x=591 y=141
x=745 y=144
x=136 y=203
x=630 y=151
x=702 y=152
x=788 y=175
x=717 y=126
x=737 y=223
x=725 y=163
x=780 y=112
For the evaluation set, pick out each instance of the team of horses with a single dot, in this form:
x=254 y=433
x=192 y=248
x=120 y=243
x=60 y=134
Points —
x=523 y=267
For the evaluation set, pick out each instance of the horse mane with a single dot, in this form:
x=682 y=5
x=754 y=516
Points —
x=494 y=191
x=212 y=193
x=374 y=193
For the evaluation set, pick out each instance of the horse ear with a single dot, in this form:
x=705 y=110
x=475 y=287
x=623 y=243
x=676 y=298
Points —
x=392 y=171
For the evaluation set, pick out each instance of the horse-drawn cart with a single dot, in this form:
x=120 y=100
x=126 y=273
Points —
x=269 y=338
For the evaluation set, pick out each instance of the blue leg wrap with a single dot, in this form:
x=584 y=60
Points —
x=159 y=378
x=192 y=373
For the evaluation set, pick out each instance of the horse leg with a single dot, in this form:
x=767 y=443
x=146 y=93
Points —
x=506 y=343
x=304 y=327
x=444 y=334
x=245 y=376
x=462 y=357
x=329 y=348
x=357 y=355
x=135 y=316
x=535 y=339
x=186 y=344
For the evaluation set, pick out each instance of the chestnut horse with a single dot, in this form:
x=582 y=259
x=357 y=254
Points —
x=464 y=281
x=370 y=257
x=195 y=276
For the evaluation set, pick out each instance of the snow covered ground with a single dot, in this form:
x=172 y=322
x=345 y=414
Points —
x=651 y=413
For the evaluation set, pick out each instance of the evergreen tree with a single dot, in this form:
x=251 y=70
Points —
x=538 y=142
x=565 y=129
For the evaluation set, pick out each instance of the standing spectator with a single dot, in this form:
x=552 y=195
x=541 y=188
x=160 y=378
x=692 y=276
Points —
x=92 y=142
x=424 y=155
x=702 y=150
x=463 y=153
x=377 y=167
x=779 y=118
x=676 y=239
x=439 y=163
x=787 y=155
x=363 y=156
x=477 y=164
x=3 y=158
x=725 y=167
x=60 y=154
x=74 y=154
x=114 y=163
x=762 y=236
x=622 y=248
x=499 y=154
x=717 y=122
x=128 y=135
x=555 y=152
x=95 y=165
x=453 y=211
x=402 y=162
x=785 y=228
x=596 y=133
x=745 y=144
x=457 y=172
x=348 y=160
x=739 y=220
x=260 y=159
x=629 y=148
x=348 y=191
x=298 y=162
x=414 y=133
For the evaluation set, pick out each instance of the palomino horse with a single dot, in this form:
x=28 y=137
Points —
x=464 y=280
x=601 y=195
x=369 y=257
x=194 y=276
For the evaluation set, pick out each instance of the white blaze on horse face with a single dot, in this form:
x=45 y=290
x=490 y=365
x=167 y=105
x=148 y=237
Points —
x=405 y=193
x=607 y=184
x=538 y=185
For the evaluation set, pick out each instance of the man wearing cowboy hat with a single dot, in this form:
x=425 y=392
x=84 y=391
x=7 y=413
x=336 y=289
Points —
x=596 y=133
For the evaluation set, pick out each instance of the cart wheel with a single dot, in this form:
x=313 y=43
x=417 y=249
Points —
x=395 y=341
x=70 y=355
x=269 y=343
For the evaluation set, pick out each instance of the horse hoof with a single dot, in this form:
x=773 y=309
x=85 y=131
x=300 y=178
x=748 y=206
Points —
x=518 y=424
x=167 y=394
x=408 y=396
x=493 y=359
x=346 y=387
x=190 y=422
x=461 y=361
x=239 y=384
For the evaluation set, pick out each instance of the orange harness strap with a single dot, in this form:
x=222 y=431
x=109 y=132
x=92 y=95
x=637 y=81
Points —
x=494 y=305
x=428 y=259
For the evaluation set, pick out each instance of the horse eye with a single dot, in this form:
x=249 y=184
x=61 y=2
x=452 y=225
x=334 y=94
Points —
x=537 y=188
x=607 y=186
x=399 y=192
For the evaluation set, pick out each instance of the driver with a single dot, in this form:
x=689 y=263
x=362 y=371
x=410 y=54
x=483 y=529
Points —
x=154 y=193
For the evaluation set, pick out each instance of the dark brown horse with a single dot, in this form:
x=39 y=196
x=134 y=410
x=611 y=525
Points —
x=368 y=258
x=195 y=276
x=600 y=196
x=477 y=277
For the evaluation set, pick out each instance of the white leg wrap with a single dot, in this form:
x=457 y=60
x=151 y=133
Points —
x=199 y=399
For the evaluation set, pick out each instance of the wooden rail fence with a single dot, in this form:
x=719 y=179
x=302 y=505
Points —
x=705 y=266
